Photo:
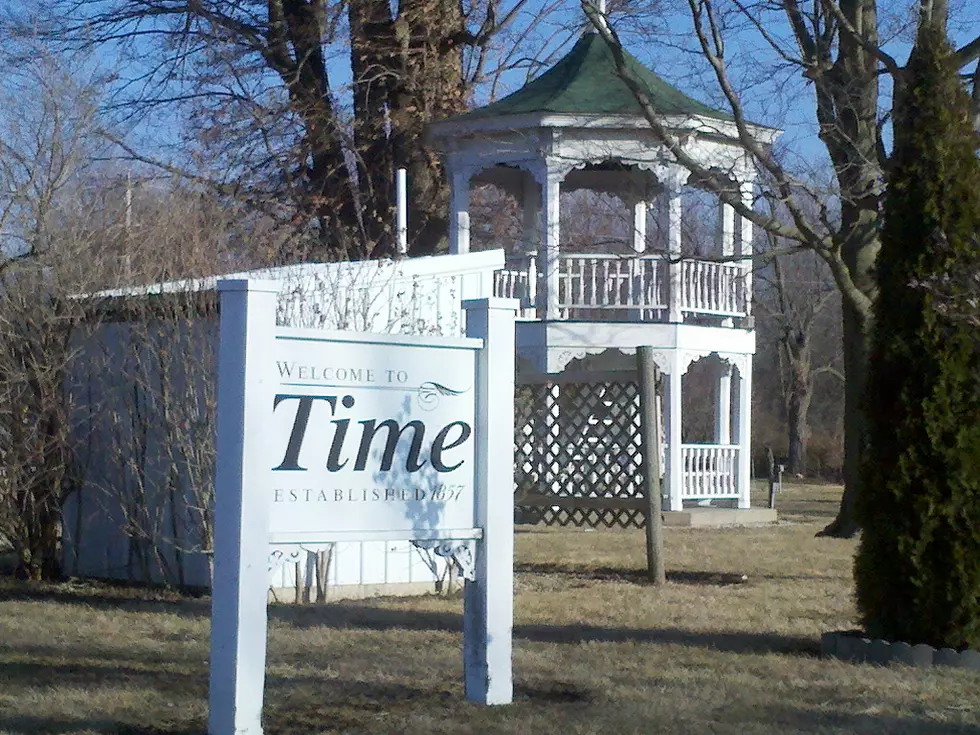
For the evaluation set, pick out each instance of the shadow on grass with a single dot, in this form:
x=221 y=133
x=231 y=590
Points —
x=106 y=596
x=111 y=672
x=57 y=726
x=633 y=576
x=363 y=617
x=299 y=704
x=781 y=718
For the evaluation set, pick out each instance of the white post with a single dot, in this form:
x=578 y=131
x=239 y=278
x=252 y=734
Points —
x=530 y=235
x=530 y=210
x=241 y=521
x=674 y=214
x=532 y=282
x=488 y=602
x=401 y=198
x=744 y=428
x=548 y=254
x=723 y=404
x=726 y=229
x=675 y=463
x=639 y=226
x=746 y=188
x=459 y=212
x=726 y=237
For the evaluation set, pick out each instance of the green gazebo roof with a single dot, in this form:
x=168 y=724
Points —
x=584 y=82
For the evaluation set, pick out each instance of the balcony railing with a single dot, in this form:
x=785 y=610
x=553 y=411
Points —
x=626 y=288
x=588 y=284
x=709 y=287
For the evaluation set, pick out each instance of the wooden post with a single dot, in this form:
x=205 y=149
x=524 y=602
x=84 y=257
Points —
x=650 y=426
x=772 y=477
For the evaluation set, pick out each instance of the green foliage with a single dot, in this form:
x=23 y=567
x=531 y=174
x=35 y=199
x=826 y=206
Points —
x=918 y=566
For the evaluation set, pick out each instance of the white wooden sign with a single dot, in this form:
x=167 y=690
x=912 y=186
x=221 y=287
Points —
x=372 y=436
x=324 y=436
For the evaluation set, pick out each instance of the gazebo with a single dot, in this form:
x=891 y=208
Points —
x=578 y=126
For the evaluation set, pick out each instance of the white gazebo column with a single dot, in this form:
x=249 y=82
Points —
x=726 y=229
x=746 y=191
x=531 y=233
x=723 y=404
x=459 y=211
x=548 y=252
x=673 y=181
x=726 y=237
x=639 y=226
x=743 y=424
x=530 y=212
x=675 y=460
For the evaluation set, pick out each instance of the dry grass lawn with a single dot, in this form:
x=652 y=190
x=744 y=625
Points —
x=595 y=650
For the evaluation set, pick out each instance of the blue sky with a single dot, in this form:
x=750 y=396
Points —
x=773 y=93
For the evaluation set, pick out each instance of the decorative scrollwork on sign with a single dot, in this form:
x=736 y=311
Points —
x=460 y=553
x=429 y=394
x=280 y=554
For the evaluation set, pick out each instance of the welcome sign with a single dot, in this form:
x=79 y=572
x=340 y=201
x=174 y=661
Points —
x=371 y=438
x=326 y=436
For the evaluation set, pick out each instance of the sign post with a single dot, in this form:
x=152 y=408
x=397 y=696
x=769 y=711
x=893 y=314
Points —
x=328 y=436
x=241 y=519
x=488 y=600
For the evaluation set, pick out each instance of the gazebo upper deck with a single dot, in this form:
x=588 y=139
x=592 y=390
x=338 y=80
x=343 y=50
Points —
x=579 y=126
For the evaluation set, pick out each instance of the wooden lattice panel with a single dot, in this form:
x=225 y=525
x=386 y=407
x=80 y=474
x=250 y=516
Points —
x=578 y=455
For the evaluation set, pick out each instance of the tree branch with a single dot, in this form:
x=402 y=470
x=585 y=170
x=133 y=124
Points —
x=829 y=370
x=709 y=178
x=967 y=53
x=893 y=67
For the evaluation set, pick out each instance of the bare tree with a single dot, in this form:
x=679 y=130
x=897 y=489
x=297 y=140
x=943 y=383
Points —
x=48 y=126
x=798 y=304
x=835 y=45
x=257 y=94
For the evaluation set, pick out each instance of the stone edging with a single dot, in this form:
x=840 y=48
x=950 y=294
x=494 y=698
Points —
x=852 y=647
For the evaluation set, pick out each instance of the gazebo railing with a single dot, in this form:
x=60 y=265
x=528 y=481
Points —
x=710 y=287
x=709 y=471
x=589 y=285
x=515 y=283
x=602 y=287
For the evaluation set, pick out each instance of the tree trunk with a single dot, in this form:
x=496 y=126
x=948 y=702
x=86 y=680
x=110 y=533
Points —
x=847 y=102
x=798 y=429
x=857 y=340
x=798 y=395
